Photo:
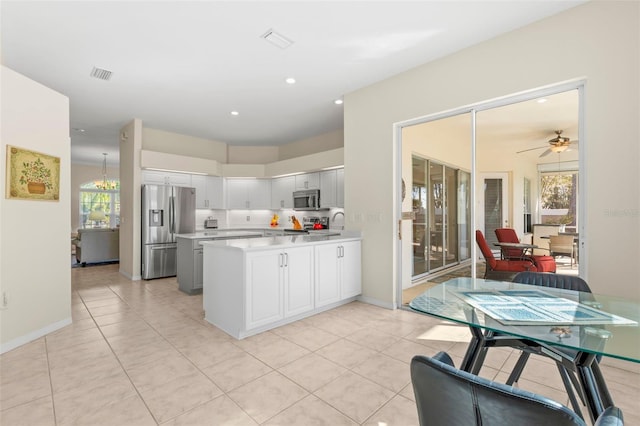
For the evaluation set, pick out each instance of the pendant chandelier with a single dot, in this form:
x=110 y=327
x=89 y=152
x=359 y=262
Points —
x=105 y=184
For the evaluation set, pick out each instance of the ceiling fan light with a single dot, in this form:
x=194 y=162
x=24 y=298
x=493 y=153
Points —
x=558 y=148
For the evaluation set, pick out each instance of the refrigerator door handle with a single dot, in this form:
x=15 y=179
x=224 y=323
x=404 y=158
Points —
x=172 y=215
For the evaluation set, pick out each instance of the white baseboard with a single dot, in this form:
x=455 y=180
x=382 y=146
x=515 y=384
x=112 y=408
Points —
x=376 y=302
x=23 y=340
x=131 y=277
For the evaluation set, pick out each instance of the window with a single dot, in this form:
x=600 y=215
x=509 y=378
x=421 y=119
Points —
x=559 y=198
x=100 y=208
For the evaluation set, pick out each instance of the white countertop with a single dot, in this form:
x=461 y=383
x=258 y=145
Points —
x=220 y=233
x=282 y=241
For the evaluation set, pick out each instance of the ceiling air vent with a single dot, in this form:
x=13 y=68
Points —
x=101 y=73
x=277 y=39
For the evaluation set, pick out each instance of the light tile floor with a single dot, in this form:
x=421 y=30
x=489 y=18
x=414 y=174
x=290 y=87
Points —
x=139 y=353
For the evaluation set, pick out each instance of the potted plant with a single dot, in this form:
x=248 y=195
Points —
x=36 y=176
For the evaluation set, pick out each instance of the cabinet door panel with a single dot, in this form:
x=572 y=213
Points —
x=199 y=183
x=351 y=265
x=237 y=194
x=308 y=181
x=282 y=192
x=215 y=192
x=328 y=188
x=327 y=276
x=264 y=289
x=298 y=283
x=197 y=269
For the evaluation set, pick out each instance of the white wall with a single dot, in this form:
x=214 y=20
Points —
x=35 y=252
x=81 y=174
x=607 y=56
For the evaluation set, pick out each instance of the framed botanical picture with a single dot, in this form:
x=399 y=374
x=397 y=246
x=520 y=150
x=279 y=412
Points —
x=32 y=175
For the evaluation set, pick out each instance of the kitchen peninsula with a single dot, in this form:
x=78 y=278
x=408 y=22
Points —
x=253 y=285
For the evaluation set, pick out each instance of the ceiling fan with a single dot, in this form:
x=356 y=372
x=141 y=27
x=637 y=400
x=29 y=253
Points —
x=558 y=144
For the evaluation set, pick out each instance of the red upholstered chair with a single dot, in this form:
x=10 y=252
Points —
x=501 y=269
x=508 y=235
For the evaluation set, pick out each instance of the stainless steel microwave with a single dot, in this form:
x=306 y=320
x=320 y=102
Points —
x=308 y=199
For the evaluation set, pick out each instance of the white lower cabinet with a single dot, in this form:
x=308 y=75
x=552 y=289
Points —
x=279 y=285
x=248 y=290
x=338 y=272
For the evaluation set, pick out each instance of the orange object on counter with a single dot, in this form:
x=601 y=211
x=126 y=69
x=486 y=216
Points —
x=296 y=224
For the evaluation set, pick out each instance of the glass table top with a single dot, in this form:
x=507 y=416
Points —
x=594 y=323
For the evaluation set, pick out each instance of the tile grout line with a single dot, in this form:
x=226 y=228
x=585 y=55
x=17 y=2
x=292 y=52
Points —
x=124 y=370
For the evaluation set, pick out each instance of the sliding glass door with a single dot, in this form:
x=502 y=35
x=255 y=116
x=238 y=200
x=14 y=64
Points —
x=440 y=199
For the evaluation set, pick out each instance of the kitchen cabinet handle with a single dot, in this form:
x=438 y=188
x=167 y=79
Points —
x=286 y=260
x=280 y=260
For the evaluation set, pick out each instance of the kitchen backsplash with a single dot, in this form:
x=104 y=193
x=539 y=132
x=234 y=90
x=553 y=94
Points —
x=259 y=218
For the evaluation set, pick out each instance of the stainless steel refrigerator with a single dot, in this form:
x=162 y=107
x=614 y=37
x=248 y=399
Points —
x=166 y=211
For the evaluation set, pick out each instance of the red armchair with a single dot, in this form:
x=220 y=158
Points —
x=498 y=268
x=508 y=235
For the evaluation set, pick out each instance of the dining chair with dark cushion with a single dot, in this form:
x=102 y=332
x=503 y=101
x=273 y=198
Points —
x=447 y=396
x=564 y=282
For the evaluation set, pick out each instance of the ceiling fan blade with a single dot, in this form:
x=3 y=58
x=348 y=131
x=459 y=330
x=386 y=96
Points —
x=547 y=152
x=530 y=149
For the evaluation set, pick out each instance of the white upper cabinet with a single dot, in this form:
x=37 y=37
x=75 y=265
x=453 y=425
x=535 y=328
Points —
x=249 y=194
x=156 y=177
x=308 y=181
x=328 y=189
x=282 y=192
x=209 y=191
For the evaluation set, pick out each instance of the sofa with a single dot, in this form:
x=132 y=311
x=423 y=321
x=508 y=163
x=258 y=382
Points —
x=95 y=245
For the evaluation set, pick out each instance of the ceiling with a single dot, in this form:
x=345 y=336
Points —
x=183 y=66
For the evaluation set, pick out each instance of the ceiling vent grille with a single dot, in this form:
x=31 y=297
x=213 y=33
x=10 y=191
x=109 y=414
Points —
x=101 y=74
x=277 y=39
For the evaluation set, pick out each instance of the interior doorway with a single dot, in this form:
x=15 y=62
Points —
x=493 y=202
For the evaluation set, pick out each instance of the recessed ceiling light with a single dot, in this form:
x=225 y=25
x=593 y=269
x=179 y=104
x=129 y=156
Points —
x=291 y=80
x=542 y=100
x=338 y=102
x=234 y=113
x=77 y=129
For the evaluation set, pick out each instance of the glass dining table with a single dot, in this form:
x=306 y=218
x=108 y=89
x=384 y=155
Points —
x=573 y=328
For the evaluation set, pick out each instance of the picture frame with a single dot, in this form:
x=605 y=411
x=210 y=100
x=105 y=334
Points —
x=32 y=175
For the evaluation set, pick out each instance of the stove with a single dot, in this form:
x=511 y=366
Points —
x=308 y=222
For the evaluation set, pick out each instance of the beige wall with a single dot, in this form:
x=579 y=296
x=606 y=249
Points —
x=189 y=146
x=252 y=154
x=81 y=174
x=35 y=252
x=325 y=142
x=607 y=56
x=130 y=199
